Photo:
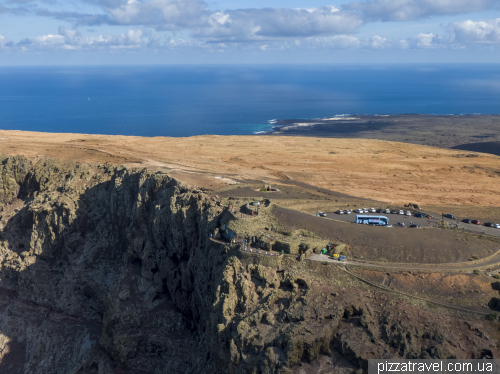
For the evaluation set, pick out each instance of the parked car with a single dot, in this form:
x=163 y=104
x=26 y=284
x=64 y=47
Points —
x=347 y=211
x=364 y=210
x=408 y=213
x=450 y=216
x=372 y=210
x=339 y=211
x=380 y=210
x=419 y=215
x=359 y=211
x=255 y=203
x=466 y=220
x=475 y=222
x=394 y=211
x=496 y=225
x=488 y=224
x=321 y=214
x=387 y=211
x=401 y=212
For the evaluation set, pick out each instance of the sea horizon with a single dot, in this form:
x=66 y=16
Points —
x=180 y=100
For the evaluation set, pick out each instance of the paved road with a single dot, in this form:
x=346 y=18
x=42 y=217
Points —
x=423 y=222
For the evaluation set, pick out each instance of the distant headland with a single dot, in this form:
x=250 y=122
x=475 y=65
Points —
x=471 y=132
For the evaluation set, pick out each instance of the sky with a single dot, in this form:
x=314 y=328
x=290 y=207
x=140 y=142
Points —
x=95 y=32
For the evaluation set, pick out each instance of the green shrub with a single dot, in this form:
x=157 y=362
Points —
x=342 y=253
x=477 y=272
x=492 y=316
x=496 y=276
x=263 y=189
x=475 y=257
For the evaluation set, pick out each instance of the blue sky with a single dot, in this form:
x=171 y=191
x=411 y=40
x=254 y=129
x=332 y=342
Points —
x=80 y=32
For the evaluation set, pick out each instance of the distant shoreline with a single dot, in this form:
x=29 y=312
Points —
x=459 y=131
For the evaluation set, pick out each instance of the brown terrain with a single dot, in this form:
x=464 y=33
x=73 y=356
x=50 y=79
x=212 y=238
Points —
x=378 y=170
x=117 y=255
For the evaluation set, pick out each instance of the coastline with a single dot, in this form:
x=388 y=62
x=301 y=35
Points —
x=464 y=131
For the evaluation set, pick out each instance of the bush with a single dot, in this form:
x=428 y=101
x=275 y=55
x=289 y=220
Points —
x=342 y=253
x=492 y=316
x=287 y=233
x=477 y=272
x=496 y=276
x=263 y=189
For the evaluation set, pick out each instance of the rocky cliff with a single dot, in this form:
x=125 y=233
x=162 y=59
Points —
x=110 y=270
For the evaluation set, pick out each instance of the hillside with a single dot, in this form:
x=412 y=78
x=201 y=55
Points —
x=108 y=269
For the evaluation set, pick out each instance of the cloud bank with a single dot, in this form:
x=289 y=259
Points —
x=252 y=24
x=68 y=39
x=407 y=10
x=475 y=32
x=152 y=24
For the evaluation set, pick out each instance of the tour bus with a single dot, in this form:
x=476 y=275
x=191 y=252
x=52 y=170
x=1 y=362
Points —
x=372 y=220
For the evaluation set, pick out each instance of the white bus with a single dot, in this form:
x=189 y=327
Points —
x=372 y=220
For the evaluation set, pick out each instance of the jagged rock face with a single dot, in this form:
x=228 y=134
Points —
x=109 y=270
x=104 y=267
x=13 y=171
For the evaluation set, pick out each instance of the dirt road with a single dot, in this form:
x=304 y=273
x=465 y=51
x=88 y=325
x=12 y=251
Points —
x=494 y=263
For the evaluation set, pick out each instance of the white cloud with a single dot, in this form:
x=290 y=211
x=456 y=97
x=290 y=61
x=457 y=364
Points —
x=487 y=32
x=334 y=42
x=267 y=23
x=424 y=40
x=68 y=39
x=406 y=10
x=159 y=14
x=374 y=42
x=378 y=42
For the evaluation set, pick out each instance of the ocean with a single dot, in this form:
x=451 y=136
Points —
x=232 y=100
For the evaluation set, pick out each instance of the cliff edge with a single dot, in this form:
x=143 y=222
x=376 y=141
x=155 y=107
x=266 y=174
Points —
x=106 y=269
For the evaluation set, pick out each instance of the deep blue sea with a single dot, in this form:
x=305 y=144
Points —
x=236 y=100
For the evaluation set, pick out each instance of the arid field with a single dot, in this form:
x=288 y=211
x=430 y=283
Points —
x=392 y=172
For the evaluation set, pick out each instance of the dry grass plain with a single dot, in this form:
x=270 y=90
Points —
x=387 y=171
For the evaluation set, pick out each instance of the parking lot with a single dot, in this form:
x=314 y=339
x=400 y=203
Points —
x=393 y=218
x=422 y=222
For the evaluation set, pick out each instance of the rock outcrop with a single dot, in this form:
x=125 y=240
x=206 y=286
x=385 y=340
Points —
x=111 y=270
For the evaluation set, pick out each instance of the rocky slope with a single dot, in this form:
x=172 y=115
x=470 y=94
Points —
x=111 y=270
